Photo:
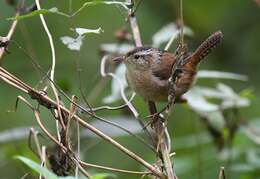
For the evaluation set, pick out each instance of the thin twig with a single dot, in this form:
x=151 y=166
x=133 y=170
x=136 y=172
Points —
x=84 y=164
x=34 y=133
x=37 y=116
x=49 y=103
x=88 y=111
x=64 y=148
x=159 y=128
x=113 y=169
x=38 y=119
x=104 y=74
x=110 y=140
x=181 y=24
x=168 y=45
x=80 y=167
x=81 y=87
x=43 y=159
x=111 y=107
x=138 y=43
x=134 y=25
x=164 y=153
x=52 y=71
x=97 y=2
x=72 y=112
x=9 y=34
x=222 y=173
x=78 y=148
x=70 y=6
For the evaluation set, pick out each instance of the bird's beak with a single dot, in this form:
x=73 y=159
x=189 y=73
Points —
x=118 y=59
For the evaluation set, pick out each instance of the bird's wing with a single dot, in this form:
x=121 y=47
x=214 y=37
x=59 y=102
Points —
x=163 y=68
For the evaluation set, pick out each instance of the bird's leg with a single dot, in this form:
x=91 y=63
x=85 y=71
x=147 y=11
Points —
x=154 y=117
x=181 y=50
x=176 y=72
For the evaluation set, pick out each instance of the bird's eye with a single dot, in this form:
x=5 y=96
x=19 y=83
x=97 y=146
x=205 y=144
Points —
x=137 y=56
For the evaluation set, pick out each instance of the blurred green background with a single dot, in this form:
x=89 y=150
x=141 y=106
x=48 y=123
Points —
x=239 y=53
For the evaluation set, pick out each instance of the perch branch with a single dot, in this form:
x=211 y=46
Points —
x=89 y=111
x=51 y=104
x=134 y=25
x=113 y=169
x=162 y=146
x=52 y=68
x=9 y=34
x=159 y=126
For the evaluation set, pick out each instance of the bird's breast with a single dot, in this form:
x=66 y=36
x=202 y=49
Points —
x=148 y=86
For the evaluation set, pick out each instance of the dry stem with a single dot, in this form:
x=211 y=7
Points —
x=9 y=34
x=49 y=103
x=159 y=127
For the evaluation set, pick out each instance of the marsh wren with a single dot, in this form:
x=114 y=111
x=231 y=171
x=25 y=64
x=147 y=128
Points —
x=148 y=69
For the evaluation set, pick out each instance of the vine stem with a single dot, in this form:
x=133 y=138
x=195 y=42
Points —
x=134 y=25
x=52 y=72
x=49 y=103
x=10 y=33
x=159 y=126
x=164 y=153
x=181 y=24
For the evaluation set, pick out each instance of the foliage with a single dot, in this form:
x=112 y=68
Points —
x=226 y=99
x=50 y=175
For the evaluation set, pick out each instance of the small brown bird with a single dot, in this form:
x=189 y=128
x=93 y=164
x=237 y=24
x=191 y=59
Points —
x=148 y=69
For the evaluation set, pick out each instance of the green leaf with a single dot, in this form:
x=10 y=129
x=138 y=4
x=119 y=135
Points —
x=248 y=93
x=53 y=10
x=71 y=177
x=103 y=176
x=92 y=3
x=36 y=167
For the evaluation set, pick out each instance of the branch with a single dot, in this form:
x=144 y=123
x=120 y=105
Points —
x=51 y=104
x=9 y=34
x=52 y=69
x=104 y=74
x=221 y=174
x=113 y=169
x=159 y=126
x=164 y=153
x=134 y=25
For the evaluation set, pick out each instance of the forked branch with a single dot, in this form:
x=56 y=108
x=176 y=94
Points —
x=47 y=102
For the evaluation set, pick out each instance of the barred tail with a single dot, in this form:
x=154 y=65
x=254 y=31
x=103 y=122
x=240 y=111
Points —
x=205 y=48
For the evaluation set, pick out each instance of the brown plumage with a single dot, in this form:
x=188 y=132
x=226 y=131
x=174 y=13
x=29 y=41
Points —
x=149 y=69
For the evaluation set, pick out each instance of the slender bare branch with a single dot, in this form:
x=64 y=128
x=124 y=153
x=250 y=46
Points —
x=34 y=133
x=181 y=24
x=134 y=25
x=9 y=34
x=52 y=72
x=72 y=112
x=159 y=126
x=104 y=74
x=222 y=173
x=113 y=169
x=78 y=148
x=49 y=103
x=43 y=159
x=88 y=111
x=164 y=153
